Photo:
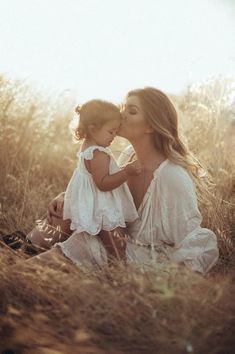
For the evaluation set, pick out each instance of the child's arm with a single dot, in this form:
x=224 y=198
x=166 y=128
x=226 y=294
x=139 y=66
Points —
x=99 y=168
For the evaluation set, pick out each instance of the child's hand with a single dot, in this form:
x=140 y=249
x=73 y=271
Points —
x=133 y=168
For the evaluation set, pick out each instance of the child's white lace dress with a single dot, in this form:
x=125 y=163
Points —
x=92 y=210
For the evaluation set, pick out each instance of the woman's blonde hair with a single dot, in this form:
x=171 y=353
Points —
x=94 y=113
x=162 y=117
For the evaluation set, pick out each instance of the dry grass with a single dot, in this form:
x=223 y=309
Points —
x=59 y=309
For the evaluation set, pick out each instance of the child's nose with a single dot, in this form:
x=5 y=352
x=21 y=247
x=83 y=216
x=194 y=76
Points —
x=123 y=117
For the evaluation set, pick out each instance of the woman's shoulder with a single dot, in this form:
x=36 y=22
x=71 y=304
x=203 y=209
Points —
x=175 y=176
x=172 y=167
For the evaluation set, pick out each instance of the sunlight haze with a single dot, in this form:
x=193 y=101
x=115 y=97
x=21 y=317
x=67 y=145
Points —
x=105 y=48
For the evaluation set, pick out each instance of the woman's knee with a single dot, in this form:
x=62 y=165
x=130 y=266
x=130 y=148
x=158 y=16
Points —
x=52 y=256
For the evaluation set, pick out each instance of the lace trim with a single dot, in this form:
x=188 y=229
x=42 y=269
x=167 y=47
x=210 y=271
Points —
x=94 y=231
x=88 y=153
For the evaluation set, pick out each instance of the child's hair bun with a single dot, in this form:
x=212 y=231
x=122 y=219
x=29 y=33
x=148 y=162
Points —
x=94 y=113
x=78 y=109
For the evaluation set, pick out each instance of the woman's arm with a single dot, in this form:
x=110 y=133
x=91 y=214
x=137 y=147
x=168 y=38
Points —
x=181 y=219
x=99 y=168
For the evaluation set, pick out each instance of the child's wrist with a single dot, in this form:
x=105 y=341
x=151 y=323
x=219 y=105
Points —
x=125 y=171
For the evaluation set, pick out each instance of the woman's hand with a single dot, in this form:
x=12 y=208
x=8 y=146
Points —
x=55 y=208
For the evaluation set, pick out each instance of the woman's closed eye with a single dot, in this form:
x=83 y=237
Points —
x=132 y=111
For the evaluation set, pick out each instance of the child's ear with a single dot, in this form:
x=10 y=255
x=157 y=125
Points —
x=91 y=128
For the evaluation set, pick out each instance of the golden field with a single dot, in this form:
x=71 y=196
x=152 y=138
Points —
x=58 y=309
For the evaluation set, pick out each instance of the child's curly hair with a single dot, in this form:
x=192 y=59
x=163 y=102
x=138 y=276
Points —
x=94 y=113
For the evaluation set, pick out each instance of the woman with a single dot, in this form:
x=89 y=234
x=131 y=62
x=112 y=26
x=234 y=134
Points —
x=164 y=194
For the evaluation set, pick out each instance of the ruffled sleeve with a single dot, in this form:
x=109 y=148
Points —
x=125 y=155
x=193 y=245
x=88 y=153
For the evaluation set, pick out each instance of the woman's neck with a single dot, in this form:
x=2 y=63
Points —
x=147 y=153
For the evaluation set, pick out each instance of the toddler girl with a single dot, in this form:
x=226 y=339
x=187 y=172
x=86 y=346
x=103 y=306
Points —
x=97 y=199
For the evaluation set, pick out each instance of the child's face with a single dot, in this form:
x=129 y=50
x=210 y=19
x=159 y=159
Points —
x=104 y=136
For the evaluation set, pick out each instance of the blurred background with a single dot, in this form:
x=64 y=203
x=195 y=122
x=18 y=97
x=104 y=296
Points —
x=105 y=48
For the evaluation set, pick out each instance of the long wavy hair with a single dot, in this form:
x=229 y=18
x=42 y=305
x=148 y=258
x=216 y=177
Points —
x=162 y=117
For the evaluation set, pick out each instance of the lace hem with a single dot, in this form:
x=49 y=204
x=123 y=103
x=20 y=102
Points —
x=94 y=232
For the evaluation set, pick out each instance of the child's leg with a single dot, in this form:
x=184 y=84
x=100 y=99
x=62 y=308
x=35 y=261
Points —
x=45 y=235
x=115 y=244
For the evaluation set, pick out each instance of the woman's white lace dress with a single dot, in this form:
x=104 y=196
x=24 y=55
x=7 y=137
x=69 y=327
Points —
x=92 y=210
x=168 y=227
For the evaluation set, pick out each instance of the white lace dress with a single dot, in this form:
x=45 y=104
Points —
x=92 y=210
x=167 y=230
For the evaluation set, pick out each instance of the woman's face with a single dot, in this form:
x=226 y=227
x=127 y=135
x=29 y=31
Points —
x=133 y=124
